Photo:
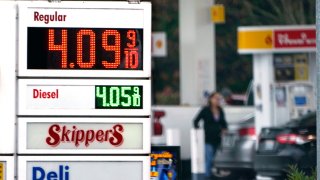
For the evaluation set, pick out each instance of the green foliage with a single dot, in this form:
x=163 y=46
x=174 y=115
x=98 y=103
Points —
x=234 y=70
x=295 y=173
x=165 y=70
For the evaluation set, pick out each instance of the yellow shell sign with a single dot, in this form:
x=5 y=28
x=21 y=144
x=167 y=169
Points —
x=218 y=14
x=1 y=171
x=257 y=39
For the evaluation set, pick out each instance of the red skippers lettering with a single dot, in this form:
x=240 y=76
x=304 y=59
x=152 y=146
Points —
x=63 y=134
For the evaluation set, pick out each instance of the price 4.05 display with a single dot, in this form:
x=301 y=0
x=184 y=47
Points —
x=118 y=97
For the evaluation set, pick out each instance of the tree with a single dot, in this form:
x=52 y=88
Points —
x=235 y=71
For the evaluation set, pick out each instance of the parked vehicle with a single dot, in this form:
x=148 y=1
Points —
x=293 y=143
x=236 y=154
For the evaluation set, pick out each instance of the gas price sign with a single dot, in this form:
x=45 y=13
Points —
x=65 y=41
x=84 y=97
x=85 y=48
x=122 y=97
x=83 y=87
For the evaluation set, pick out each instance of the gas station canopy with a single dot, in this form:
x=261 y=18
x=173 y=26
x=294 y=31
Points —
x=276 y=39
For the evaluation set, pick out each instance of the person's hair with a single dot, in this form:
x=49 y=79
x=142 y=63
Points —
x=209 y=98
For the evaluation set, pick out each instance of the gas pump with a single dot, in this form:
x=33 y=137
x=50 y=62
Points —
x=284 y=71
x=292 y=100
x=301 y=99
x=293 y=90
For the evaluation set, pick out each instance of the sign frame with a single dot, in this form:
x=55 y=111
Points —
x=23 y=160
x=9 y=167
x=8 y=86
x=24 y=111
x=22 y=139
x=127 y=13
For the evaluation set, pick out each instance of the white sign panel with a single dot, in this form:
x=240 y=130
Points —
x=84 y=168
x=7 y=77
x=87 y=39
x=159 y=44
x=85 y=135
x=6 y=167
x=56 y=97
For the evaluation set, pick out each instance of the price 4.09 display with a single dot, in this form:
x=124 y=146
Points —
x=85 y=48
x=118 y=97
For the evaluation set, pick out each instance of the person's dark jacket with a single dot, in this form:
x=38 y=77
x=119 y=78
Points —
x=212 y=127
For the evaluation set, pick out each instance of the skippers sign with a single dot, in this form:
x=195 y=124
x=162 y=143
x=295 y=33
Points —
x=86 y=135
x=276 y=39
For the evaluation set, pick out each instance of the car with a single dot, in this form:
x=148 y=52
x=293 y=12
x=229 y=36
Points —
x=235 y=157
x=291 y=144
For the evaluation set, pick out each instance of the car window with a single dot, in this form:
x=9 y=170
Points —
x=309 y=120
x=293 y=123
x=250 y=99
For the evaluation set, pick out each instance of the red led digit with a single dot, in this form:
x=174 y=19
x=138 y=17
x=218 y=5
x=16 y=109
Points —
x=132 y=59
x=115 y=48
x=59 y=47
x=127 y=59
x=131 y=54
x=131 y=35
x=92 y=48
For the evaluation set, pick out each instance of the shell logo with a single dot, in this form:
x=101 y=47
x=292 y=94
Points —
x=259 y=39
x=218 y=14
x=159 y=43
x=268 y=40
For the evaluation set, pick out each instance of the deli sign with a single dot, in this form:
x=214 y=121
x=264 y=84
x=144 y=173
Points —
x=85 y=135
x=83 y=167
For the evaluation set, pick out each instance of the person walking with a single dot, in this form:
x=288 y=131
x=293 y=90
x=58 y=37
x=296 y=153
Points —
x=214 y=126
